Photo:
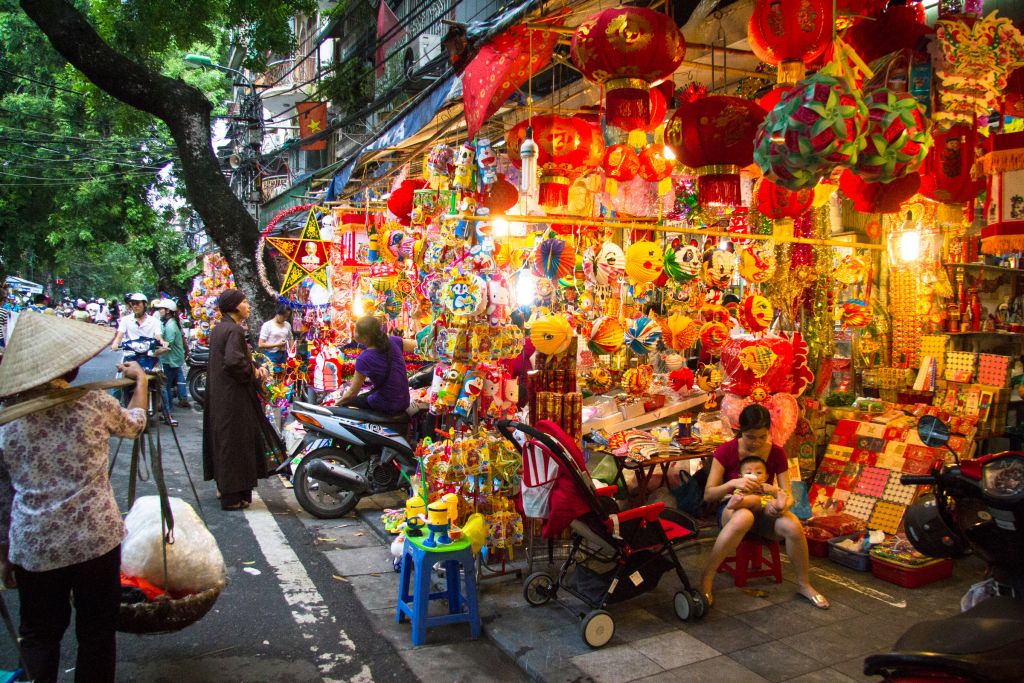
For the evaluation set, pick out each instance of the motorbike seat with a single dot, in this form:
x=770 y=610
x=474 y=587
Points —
x=993 y=624
x=368 y=415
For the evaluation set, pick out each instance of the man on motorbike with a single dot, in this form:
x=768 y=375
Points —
x=138 y=324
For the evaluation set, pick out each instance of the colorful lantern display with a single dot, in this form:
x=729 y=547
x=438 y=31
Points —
x=567 y=147
x=790 y=33
x=642 y=335
x=1004 y=205
x=715 y=137
x=774 y=201
x=555 y=258
x=897 y=136
x=682 y=260
x=627 y=50
x=610 y=264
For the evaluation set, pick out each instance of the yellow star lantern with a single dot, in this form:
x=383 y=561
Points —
x=307 y=255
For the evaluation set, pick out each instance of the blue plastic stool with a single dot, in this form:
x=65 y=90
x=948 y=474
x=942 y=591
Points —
x=417 y=562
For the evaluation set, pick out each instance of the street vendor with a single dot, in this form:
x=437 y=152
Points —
x=383 y=363
x=775 y=521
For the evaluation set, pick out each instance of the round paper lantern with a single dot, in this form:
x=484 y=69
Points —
x=610 y=263
x=400 y=202
x=817 y=126
x=501 y=196
x=946 y=172
x=774 y=201
x=654 y=165
x=718 y=267
x=567 y=147
x=606 y=336
x=551 y=334
x=708 y=378
x=900 y=27
x=626 y=50
x=680 y=332
x=620 y=163
x=715 y=137
x=713 y=336
x=644 y=262
x=757 y=261
x=642 y=335
x=555 y=258
x=673 y=361
x=879 y=197
x=897 y=136
x=682 y=261
x=789 y=33
x=755 y=313
x=659 y=104
x=765 y=361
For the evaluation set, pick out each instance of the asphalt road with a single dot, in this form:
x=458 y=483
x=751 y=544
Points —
x=283 y=616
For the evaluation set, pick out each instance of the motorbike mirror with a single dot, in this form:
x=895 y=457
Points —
x=934 y=433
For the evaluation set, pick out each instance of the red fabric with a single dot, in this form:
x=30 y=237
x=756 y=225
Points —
x=674 y=531
x=498 y=70
x=312 y=120
x=386 y=21
x=151 y=591
x=568 y=500
x=728 y=454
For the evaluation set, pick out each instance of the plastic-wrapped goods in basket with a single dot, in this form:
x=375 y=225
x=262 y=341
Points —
x=194 y=562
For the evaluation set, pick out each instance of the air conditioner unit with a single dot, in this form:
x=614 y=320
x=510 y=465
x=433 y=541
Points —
x=421 y=52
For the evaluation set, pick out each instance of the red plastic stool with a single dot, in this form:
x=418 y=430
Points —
x=755 y=558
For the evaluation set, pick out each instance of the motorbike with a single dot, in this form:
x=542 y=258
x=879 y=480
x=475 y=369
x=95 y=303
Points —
x=349 y=453
x=198 y=360
x=976 y=506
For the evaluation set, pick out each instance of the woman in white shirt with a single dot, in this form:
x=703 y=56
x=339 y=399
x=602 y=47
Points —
x=276 y=335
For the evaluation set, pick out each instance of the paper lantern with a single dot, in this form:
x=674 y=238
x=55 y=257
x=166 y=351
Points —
x=755 y=313
x=626 y=50
x=567 y=147
x=660 y=96
x=654 y=165
x=606 y=336
x=900 y=27
x=610 y=264
x=501 y=196
x=1003 y=163
x=708 y=377
x=715 y=137
x=878 y=197
x=718 y=267
x=682 y=261
x=555 y=258
x=757 y=262
x=817 y=126
x=765 y=361
x=400 y=202
x=775 y=201
x=642 y=335
x=773 y=97
x=644 y=262
x=551 y=334
x=946 y=172
x=620 y=164
x=713 y=336
x=897 y=136
x=680 y=332
x=789 y=33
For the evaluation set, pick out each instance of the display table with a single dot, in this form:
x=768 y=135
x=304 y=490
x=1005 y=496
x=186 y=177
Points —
x=616 y=423
x=645 y=470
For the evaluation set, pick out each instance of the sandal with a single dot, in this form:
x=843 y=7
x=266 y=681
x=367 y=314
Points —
x=709 y=600
x=818 y=600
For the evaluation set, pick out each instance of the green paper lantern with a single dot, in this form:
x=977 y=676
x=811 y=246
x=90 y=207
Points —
x=897 y=139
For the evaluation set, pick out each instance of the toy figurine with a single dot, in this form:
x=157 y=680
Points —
x=464 y=168
x=486 y=162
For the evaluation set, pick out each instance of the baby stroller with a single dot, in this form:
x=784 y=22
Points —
x=613 y=556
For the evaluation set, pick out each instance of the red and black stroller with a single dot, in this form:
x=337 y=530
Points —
x=613 y=556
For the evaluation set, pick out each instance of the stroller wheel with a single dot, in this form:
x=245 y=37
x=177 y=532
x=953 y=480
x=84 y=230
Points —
x=538 y=589
x=687 y=606
x=597 y=628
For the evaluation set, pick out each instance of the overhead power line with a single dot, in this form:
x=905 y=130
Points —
x=43 y=83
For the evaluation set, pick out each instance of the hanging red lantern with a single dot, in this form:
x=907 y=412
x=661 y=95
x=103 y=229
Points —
x=627 y=50
x=620 y=163
x=775 y=201
x=567 y=147
x=715 y=136
x=773 y=97
x=1013 y=99
x=501 y=196
x=879 y=197
x=850 y=12
x=400 y=201
x=655 y=166
x=899 y=27
x=789 y=33
x=946 y=172
x=1003 y=164
x=659 y=107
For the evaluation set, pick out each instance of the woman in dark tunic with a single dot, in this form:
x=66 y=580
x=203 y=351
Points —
x=236 y=435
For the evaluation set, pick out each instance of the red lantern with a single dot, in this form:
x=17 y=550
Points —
x=790 y=33
x=946 y=172
x=567 y=147
x=400 y=201
x=879 y=197
x=654 y=165
x=626 y=50
x=1003 y=164
x=772 y=97
x=900 y=27
x=775 y=201
x=620 y=163
x=1013 y=102
x=850 y=12
x=715 y=136
x=501 y=197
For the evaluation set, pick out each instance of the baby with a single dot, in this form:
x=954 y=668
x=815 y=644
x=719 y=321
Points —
x=754 y=468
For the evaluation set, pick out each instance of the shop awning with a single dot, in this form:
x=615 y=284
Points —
x=20 y=285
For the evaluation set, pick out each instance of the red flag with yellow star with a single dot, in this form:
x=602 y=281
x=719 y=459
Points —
x=312 y=120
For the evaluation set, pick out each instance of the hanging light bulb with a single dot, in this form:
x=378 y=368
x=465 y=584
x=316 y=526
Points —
x=526 y=289
x=528 y=153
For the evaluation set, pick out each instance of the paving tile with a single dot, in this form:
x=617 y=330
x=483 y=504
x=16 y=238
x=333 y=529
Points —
x=854 y=668
x=673 y=650
x=795 y=616
x=616 y=664
x=376 y=592
x=726 y=633
x=775 y=661
x=823 y=676
x=636 y=624
x=715 y=670
x=462 y=662
x=541 y=654
x=567 y=673
x=347 y=533
x=359 y=561
x=833 y=644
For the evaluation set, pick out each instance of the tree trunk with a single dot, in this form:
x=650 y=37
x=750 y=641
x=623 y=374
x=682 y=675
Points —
x=186 y=112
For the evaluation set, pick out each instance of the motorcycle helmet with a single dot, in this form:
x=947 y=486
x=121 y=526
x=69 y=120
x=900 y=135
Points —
x=101 y=301
x=929 y=533
x=168 y=304
x=137 y=296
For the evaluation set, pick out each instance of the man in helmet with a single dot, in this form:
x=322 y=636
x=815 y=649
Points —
x=93 y=308
x=103 y=314
x=138 y=324
x=80 y=312
x=174 y=359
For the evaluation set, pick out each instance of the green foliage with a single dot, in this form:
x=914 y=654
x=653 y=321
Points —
x=349 y=86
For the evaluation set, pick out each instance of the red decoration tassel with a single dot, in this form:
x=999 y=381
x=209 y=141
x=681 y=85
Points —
x=554 y=193
x=723 y=190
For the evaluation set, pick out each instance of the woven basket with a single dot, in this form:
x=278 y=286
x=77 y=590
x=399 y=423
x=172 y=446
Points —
x=166 y=616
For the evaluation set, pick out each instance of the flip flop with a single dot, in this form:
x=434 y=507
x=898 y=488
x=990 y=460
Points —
x=708 y=600
x=818 y=600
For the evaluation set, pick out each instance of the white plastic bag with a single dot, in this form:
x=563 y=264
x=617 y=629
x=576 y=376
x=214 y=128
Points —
x=194 y=562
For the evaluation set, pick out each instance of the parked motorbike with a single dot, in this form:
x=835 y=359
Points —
x=349 y=453
x=977 y=506
x=197 y=360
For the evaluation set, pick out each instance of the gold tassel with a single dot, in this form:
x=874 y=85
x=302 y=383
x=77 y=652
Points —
x=1002 y=244
x=999 y=162
x=782 y=228
x=664 y=186
x=790 y=72
x=949 y=214
x=637 y=139
x=611 y=186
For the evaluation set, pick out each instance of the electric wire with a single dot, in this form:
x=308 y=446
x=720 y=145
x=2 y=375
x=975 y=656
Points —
x=43 y=83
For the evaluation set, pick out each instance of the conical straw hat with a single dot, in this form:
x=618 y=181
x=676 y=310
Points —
x=44 y=347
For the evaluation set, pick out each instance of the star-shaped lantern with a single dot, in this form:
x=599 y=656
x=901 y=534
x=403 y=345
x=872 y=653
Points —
x=307 y=255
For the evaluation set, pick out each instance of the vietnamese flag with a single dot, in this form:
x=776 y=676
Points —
x=312 y=120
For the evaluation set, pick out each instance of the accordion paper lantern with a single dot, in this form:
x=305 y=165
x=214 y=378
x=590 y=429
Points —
x=680 y=332
x=551 y=334
x=610 y=264
x=606 y=335
x=643 y=335
x=644 y=262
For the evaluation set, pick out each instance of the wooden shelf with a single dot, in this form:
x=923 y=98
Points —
x=987 y=334
x=985 y=268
